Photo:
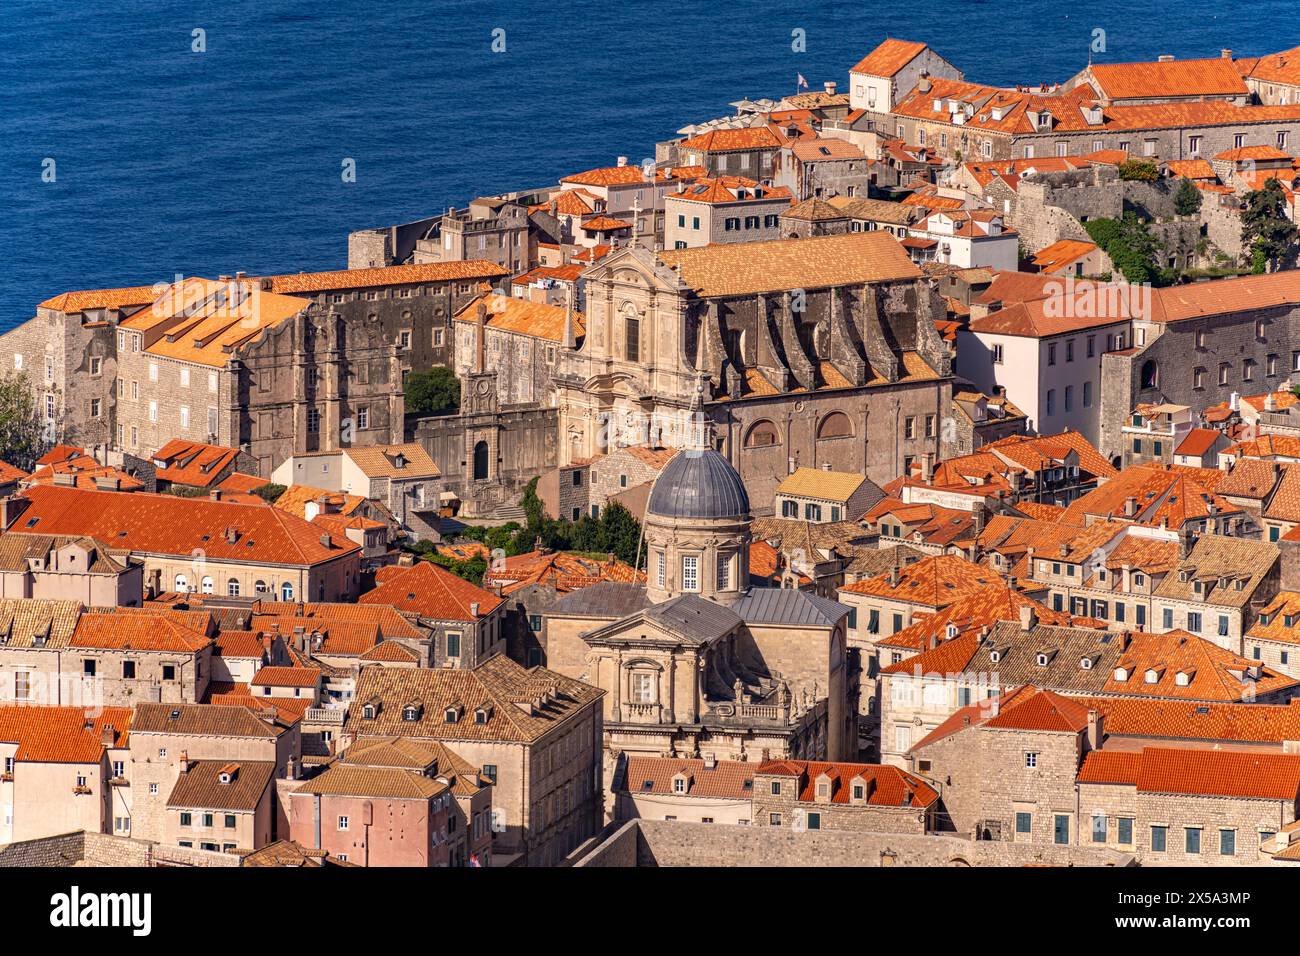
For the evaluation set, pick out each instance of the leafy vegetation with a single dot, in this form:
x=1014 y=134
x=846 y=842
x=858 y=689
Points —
x=615 y=532
x=1139 y=170
x=432 y=392
x=1266 y=231
x=23 y=436
x=270 y=492
x=1187 y=198
x=1131 y=247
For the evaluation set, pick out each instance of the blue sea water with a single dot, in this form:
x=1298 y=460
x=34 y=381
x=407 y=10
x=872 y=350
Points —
x=172 y=161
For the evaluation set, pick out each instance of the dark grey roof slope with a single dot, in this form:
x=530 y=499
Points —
x=789 y=606
x=694 y=617
x=605 y=599
x=698 y=484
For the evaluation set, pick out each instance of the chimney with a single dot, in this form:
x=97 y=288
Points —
x=473 y=608
x=1165 y=58
x=1027 y=617
x=923 y=84
x=1225 y=53
x=1130 y=507
x=829 y=86
x=1012 y=582
x=106 y=735
x=291 y=768
x=215 y=494
x=1185 y=541
x=893 y=576
x=622 y=160
x=185 y=762
x=1095 y=727
x=927 y=467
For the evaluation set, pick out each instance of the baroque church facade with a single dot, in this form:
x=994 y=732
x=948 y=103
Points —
x=696 y=662
x=818 y=352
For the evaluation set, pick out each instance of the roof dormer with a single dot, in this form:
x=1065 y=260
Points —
x=1121 y=674
x=824 y=788
x=682 y=782
x=1152 y=675
x=1184 y=678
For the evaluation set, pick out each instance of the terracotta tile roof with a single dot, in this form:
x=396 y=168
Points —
x=463 y=270
x=166 y=524
x=726 y=779
x=728 y=140
x=347 y=638
x=200 y=786
x=192 y=463
x=404 y=462
x=1154 y=663
x=1284 y=503
x=295 y=497
x=1281 y=67
x=288 y=710
x=1267 y=447
x=1166 y=78
x=70 y=302
x=522 y=317
x=983 y=607
x=287 y=853
x=1243 y=153
x=205 y=720
x=878 y=210
x=64 y=460
x=1174 y=494
x=1218 y=563
x=1198 y=442
x=936 y=582
x=731 y=189
x=607 y=176
x=1226 y=296
x=974 y=715
x=380 y=618
x=430 y=591
x=392 y=652
x=1140 y=717
x=378 y=782
x=136 y=632
x=1039 y=511
x=239 y=483
x=523 y=705
x=889 y=57
x=563 y=571
x=37 y=622
x=566 y=273
x=1038 y=709
x=1249 y=478
x=17 y=549
x=229 y=643
x=62 y=734
x=1217 y=773
x=604 y=224
x=825 y=148
x=1193 y=169
x=1062 y=253
x=887 y=786
x=286 y=677
x=749 y=267
x=817 y=483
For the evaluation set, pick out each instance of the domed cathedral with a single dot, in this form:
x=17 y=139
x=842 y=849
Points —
x=697 y=523
x=695 y=662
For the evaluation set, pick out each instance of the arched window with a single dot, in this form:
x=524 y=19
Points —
x=259 y=587
x=232 y=587
x=182 y=583
x=286 y=592
x=207 y=585
x=835 y=425
x=1150 y=374
x=481 y=461
x=762 y=434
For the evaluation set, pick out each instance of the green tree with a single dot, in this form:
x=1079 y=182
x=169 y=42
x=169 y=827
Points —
x=432 y=391
x=1187 y=198
x=1265 y=230
x=270 y=492
x=1131 y=246
x=1139 y=170
x=23 y=436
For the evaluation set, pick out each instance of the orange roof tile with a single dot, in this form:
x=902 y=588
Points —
x=192 y=463
x=387 y=275
x=892 y=787
x=522 y=317
x=727 y=140
x=166 y=524
x=726 y=779
x=62 y=734
x=136 y=632
x=935 y=581
x=1168 y=78
x=889 y=57
x=432 y=592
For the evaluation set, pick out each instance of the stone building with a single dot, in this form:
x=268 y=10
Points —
x=197 y=544
x=886 y=75
x=1198 y=344
x=492 y=228
x=723 y=209
x=826 y=374
x=682 y=788
x=172 y=736
x=814 y=795
x=68 y=568
x=695 y=662
x=533 y=734
x=521 y=341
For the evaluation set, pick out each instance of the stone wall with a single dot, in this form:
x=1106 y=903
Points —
x=102 y=849
x=672 y=843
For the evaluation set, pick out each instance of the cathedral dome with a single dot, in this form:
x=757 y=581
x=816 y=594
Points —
x=698 y=484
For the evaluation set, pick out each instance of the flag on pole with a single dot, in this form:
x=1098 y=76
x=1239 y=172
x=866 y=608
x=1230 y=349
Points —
x=801 y=84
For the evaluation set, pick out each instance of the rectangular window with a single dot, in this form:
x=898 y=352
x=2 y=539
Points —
x=1099 y=829
x=185 y=417
x=997 y=354
x=1194 y=622
x=814 y=821
x=453 y=644
x=690 y=572
x=343 y=823
x=1167 y=618
x=724 y=572
x=633 y=340
x=1031 y=759
x=662 y=573
x=1192 y=839
x=1061 y=830
x=1227 y=842
x=1024 y=822
x=1159 y=837
x=1125 y=831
